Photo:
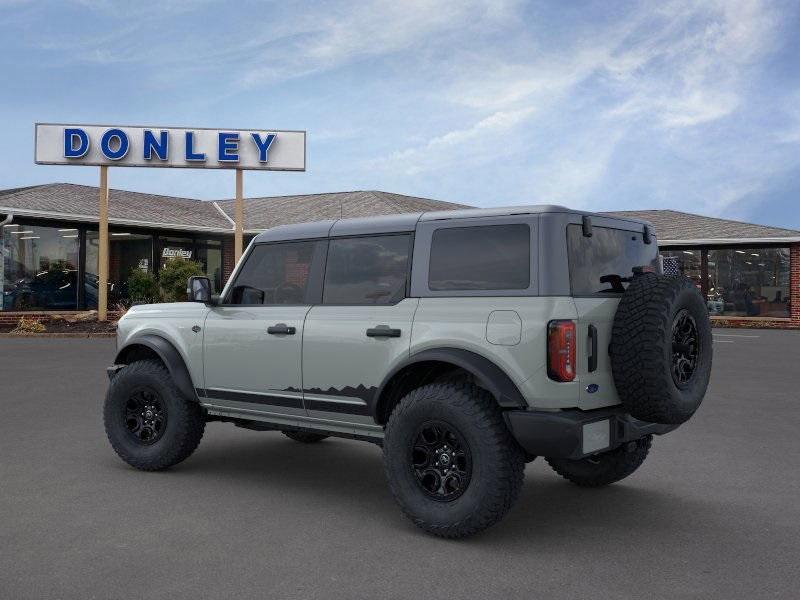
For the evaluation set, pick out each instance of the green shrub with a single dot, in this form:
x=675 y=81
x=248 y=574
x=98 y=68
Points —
x=143 y=287
x=173 y=277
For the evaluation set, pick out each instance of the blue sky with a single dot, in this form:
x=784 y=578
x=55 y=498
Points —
x=601 y=105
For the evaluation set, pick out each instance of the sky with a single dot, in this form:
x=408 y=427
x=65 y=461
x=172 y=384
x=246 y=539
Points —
x=691 y=106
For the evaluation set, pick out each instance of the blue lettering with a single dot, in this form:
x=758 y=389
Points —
x=122 y=144
x=190 y=153
x=263 y=145
x=70 y=137
x=159 y=146
x=228 y=142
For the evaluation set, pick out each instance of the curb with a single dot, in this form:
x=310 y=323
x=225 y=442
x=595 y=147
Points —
x=5 y=336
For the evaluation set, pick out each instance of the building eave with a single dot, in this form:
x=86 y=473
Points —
x=111 y=220
x=730 y=241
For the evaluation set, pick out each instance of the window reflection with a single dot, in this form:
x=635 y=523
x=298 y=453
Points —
x=746 y=282
x=39 y=268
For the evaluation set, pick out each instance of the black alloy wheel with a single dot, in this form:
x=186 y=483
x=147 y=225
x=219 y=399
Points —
x=685 y=348
x=441 y=461
x=145 y=416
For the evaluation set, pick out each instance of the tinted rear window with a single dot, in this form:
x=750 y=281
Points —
x=489 y=257
x=367 y=270
x=605 y=262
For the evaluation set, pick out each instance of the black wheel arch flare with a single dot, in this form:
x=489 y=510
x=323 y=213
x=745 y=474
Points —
x=168 y=354
x=490 y=377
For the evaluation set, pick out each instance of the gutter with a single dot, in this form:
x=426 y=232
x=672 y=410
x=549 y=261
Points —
x=224 y=214
x=730 y=241
x=113 y=221
x=8 y=218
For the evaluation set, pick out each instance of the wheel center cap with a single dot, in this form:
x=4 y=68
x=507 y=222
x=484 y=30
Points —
x=148 y=414
x=445 y=459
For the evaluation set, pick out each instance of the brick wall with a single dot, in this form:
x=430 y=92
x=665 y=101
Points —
x=227 y=259
x=794 y=283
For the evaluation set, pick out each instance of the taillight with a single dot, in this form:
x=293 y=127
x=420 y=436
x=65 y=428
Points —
x=561 y=350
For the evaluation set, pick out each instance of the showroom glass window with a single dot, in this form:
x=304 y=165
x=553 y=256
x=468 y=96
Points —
x=128 y=251
x=749 y=282
x=39 y=268
x=688 y=263
x=209 y=255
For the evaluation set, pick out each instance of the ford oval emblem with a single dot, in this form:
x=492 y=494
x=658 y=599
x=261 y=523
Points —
x=592 y=388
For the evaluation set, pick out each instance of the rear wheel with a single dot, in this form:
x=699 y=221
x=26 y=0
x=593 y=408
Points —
x=305 y=437
x=150 y=424
x=606 y=468
x=451 y=463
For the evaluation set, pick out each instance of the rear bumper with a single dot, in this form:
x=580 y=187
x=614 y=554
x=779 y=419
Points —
x=575 y=434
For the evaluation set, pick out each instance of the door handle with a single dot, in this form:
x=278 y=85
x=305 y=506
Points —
x=383 y=331
x=281 y=329
x=592 y=348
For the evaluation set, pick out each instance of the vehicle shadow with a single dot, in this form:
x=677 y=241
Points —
x=343 y=475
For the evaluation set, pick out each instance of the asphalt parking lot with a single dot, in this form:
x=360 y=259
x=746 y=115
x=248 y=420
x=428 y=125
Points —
x=713 y=513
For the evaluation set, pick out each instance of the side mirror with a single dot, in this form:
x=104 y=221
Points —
x=199 y=290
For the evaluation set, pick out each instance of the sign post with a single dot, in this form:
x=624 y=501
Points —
x=103 y=253
x=238 y=236
x=175 y=147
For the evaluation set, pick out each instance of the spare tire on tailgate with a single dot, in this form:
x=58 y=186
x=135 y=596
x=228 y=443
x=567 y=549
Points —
x=661 y=348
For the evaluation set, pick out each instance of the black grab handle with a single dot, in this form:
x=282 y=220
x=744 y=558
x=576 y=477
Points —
x=281 y=328
x=593 y=346
x=383 y=331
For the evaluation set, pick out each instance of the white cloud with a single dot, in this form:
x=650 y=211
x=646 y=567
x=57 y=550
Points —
x=476 y=143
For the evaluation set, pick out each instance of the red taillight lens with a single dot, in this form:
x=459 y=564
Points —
x=561 y=350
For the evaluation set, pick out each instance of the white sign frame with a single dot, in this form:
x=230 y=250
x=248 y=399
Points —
x=286 y=151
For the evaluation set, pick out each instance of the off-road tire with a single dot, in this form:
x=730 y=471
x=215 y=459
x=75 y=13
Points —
x=497 y=460
x=185 y=422
x=642 y=348
x=606 y=468
x=305 y=437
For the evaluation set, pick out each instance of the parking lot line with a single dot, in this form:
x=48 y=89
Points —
x=735 y=335
x=716 y=341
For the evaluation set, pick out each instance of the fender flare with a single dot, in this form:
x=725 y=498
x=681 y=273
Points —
x=169 y=355
x=489 y=375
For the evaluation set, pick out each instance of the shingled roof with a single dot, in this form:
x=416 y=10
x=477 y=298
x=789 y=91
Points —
x=68 y=201
x=264 y=213
x=79 y=203
x=676 y=227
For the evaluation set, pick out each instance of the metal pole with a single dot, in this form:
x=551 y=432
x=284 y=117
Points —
x=238 y=236
x=102 y=255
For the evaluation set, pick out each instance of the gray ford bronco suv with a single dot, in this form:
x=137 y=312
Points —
x=465 y=343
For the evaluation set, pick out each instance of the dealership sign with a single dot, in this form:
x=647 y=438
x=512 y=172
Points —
x=109 y=145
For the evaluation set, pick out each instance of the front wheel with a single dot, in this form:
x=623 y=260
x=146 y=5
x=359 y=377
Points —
x=150 y=424
x=451 y=463
x=606 y=468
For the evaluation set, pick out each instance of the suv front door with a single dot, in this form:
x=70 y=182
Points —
x=253 y=339
x=361 y=330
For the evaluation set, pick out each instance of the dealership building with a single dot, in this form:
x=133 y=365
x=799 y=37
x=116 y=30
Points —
x=749 y=274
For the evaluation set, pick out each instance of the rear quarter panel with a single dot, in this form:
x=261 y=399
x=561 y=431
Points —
x=462 y=323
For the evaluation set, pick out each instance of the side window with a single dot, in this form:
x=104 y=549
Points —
x=274 y=274
x=367 y=270
x=485 y=257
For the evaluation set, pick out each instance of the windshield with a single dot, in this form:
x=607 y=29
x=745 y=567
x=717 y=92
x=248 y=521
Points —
x=605 y=262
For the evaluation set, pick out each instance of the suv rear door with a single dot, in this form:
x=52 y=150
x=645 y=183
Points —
x=361 y=329
x=602 y=260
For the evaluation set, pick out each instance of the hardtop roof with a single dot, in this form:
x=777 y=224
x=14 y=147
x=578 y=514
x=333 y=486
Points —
x=407 y=222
